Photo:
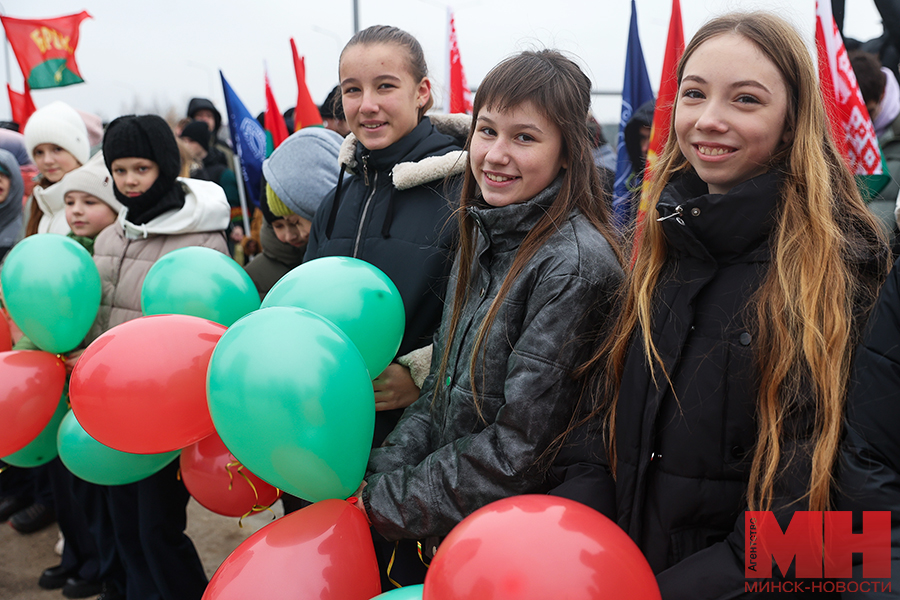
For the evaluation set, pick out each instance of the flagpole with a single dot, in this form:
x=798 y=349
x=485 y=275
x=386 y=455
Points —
x=242 y=195
x=448 y=62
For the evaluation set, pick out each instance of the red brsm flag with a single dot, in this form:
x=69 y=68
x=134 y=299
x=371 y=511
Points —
x=276 y=129
x=45 y=49
x=460 y=95
x=306 y=113
x=22 y=106
x=665 y=102
x=851 y=126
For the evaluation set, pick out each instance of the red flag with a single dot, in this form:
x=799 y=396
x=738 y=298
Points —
x=851 y=126
x=665 y=101
x=45 y=49
x=22 y=105
x=306 y=113
x=460 y=95
x=276 y=129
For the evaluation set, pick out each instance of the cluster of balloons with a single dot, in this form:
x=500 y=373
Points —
x=290 y=385
x=530 y=547
x=52 y=292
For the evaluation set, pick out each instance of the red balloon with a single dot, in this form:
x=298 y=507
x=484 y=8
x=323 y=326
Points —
x=31 y=382
x=323 y=551
x=141 y=386
x=220 y=483
x=5 y=333
x=538 y=547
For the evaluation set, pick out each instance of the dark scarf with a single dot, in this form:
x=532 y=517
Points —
x=160 y=198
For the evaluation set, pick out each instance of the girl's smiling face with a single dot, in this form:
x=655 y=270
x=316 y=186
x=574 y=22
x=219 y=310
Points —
x=381 y=98
x=514 y=154
x=731 y=111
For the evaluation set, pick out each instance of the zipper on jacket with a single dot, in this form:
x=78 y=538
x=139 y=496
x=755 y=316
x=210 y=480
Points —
x=679 y=210
x=362 y=220
x=365 y=162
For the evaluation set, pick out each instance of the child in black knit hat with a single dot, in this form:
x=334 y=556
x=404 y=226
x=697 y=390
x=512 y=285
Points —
x=163 y=212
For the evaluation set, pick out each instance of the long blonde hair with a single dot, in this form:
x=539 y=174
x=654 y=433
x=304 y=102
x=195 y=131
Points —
x=807 y=311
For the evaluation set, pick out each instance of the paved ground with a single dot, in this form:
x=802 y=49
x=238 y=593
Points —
x=23 y=557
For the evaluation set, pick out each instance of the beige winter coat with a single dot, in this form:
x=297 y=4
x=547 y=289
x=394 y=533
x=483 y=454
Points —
x=124 y=252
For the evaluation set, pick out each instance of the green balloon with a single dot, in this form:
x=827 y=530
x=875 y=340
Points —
x=43 y=448
x=354 y=295
x=52 y=290
x=290 y=397
x=409 y=592
x=90 y=460
x=200 y=282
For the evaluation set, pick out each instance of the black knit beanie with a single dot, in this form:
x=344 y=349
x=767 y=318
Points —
x=149 y=137
x=197 y=131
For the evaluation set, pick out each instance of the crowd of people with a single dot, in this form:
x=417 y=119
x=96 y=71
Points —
x=720 y=363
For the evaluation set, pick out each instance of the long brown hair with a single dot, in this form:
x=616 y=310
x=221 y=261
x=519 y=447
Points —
x=35 y=213
x=561 y=92
x=805 y=310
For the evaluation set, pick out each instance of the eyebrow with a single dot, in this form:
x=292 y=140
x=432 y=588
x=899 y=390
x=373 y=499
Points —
x=515 y=126
x=736 y=84
x=376 y=78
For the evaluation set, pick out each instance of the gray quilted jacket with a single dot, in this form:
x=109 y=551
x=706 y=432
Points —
x=443 y=461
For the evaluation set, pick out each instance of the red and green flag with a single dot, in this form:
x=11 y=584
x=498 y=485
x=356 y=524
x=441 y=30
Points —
x=276 y=129
x=306 y=113
x=45 y=49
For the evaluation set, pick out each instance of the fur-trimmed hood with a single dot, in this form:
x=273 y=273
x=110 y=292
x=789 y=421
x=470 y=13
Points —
x=406 y=175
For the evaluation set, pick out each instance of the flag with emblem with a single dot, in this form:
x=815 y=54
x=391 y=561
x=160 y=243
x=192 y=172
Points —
x=460 y=97
x=45 y=49
x=851 y=127
x=665 y=101
x=249 y=140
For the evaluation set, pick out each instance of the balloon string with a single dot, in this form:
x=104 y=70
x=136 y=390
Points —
x=419 y=544
x=391 y=565
x=257 y=507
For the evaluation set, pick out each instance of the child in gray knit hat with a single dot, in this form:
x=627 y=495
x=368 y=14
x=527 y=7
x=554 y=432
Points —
x=298 y=175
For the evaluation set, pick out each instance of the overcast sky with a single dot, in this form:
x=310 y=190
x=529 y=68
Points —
x=160 y=53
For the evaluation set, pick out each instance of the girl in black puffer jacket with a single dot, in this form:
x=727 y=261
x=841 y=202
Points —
x=533 y=282
x=757 y=267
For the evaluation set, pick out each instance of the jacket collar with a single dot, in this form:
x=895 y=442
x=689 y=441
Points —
x=503 y=228
x=730 y=227
x=413 y=160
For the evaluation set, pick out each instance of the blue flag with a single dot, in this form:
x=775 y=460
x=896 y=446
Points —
x=636 y=91
x=249 y=141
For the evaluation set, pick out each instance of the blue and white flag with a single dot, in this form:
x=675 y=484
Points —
x=249 y=141
x=636 y=91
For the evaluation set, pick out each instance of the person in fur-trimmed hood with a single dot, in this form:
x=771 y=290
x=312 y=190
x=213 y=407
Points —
x=393 y=203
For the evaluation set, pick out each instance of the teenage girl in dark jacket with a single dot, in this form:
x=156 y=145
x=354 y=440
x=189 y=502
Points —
x=732 y=355
x=391 y=206
x=533 y=282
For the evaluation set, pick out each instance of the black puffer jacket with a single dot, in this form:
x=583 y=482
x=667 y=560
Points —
x=443 y=461
x=684 y=458
x=869 y=476
x=393 y=208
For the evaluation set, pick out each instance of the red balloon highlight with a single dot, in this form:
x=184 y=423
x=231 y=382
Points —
x=323 y=551
x=141 y=386
x=216 y=480
x=31 y=383
x=537 y=547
